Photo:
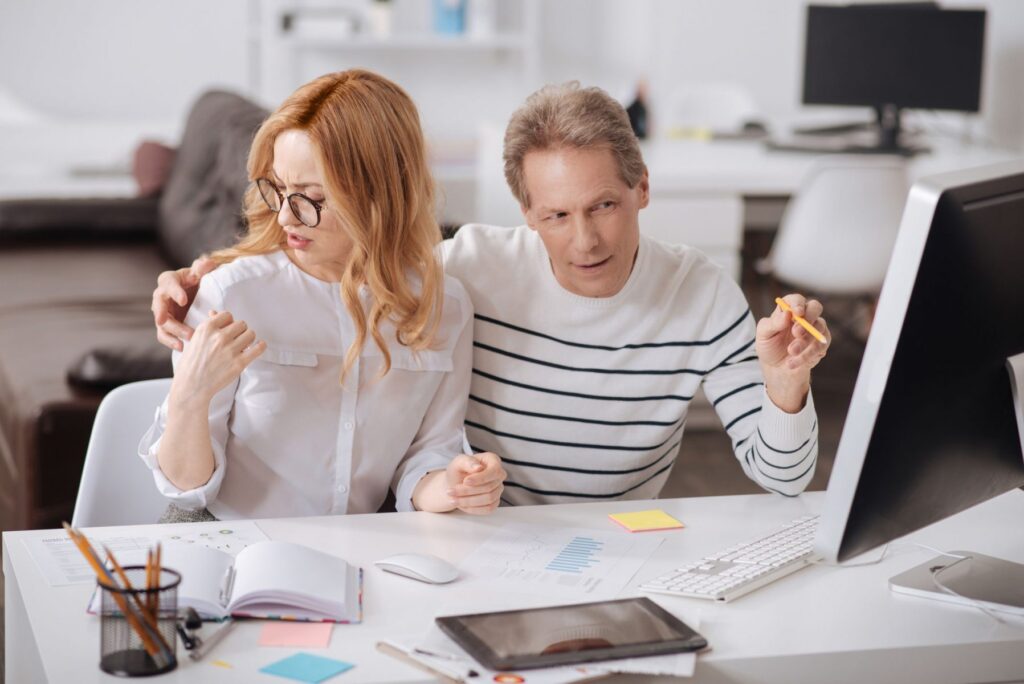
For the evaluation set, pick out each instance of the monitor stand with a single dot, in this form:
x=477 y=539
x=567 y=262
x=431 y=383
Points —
x=996 y=584
x=886 y=130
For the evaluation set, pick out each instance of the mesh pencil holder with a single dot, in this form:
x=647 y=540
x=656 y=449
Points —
x=138 y=626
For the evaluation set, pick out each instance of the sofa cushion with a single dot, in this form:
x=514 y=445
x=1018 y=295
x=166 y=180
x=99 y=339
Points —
x=201 y=206
x=56 y=303
x=151 y=167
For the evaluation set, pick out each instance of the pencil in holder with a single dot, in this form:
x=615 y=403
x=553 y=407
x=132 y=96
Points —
x=138 y=626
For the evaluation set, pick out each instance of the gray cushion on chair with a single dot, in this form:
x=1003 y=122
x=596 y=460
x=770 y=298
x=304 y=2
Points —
x=201 y=206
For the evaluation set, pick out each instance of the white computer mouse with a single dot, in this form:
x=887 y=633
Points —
x=419 y=566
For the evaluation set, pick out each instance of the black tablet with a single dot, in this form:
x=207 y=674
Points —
x=563 y=635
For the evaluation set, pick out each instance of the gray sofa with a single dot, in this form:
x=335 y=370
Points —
x=75 y=283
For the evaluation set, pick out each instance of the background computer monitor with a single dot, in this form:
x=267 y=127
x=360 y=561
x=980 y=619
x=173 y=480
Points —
x=932 y=428
x=892 y=57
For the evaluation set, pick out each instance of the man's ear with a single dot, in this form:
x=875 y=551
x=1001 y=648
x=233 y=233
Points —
x=644 y=186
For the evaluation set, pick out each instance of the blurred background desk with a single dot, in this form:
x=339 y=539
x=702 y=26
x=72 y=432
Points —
x=707 y=193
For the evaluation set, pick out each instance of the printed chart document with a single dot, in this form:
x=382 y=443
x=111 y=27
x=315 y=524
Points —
x=62 y=564
x=563 y=563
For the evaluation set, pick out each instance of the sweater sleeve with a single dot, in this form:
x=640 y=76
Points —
x=777 y=450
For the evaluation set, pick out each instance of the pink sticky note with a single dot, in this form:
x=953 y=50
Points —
x=297 y=634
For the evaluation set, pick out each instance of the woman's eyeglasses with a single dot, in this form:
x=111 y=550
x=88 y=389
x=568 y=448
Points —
x=304 y=209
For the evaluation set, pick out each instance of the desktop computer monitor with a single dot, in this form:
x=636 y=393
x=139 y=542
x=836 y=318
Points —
x=891 y=57
x=933 y=426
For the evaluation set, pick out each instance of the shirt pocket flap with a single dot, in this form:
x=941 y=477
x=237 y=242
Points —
x=426 y=360
x=287 y=357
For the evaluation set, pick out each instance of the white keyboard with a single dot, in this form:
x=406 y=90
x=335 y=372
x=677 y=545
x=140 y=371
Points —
x=740 y=569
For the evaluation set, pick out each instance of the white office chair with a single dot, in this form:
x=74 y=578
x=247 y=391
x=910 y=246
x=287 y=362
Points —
x=117 y=488
x=838 y=231
x=715 y=106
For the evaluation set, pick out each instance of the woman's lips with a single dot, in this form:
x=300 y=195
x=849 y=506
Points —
x=297 y=242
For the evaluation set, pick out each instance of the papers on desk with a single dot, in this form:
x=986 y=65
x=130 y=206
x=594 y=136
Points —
x=62 y=564
x=558 y=562
x=439 y=654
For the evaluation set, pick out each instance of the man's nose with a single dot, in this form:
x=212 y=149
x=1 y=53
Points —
x=585 y=236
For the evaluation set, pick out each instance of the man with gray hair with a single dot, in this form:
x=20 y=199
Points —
x=591 y=340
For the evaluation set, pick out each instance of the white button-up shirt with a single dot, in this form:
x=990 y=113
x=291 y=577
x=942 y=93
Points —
x=288 y=438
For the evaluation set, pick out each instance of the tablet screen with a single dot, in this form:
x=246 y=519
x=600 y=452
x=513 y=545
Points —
x=561 y=635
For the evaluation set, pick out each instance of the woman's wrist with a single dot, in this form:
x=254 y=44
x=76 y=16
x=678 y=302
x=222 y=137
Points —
x=184 y=400
x=431 y=493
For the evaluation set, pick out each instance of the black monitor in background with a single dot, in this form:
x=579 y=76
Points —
x=933 y=426
x=893 y=57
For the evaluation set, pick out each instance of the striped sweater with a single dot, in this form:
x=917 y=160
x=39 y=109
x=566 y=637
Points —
x=586 y=399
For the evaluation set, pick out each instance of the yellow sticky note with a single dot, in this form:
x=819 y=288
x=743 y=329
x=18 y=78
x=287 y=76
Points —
x=221 y=663
x=646 y=521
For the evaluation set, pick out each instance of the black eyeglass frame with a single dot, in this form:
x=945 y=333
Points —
x=282 y=198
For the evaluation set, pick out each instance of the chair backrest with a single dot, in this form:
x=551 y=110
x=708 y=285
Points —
x=718 y=106
x=117 y=488
x=837 y=234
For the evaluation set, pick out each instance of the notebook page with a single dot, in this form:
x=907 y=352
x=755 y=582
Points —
x=290 y=575
x=202 y=571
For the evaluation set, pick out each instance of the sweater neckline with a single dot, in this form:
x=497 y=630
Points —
x=556 y=289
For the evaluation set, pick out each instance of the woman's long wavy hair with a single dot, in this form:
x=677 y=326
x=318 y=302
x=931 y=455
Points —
x=367 y=133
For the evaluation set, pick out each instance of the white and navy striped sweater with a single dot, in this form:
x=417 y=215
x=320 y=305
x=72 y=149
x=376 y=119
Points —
x=586 y=399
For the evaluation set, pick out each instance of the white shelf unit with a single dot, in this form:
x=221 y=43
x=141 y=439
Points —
x=412 y=42
x=283 y=51
x=457 y=81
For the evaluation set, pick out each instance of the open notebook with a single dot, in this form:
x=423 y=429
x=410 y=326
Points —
x=270 y=579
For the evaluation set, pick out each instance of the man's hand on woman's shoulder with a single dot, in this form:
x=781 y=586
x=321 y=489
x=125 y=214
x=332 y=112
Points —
x=172 y=298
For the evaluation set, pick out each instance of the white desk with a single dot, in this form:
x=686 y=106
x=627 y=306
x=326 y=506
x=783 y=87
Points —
x=820 y=624
x=698 y=187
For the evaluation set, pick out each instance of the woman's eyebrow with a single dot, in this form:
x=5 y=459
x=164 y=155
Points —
x=277 y=181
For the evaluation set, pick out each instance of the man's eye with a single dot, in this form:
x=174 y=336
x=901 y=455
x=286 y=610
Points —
x=558 y=215
x=604 y=206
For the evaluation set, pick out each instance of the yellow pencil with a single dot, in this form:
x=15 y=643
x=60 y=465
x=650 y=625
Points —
x=105 y=578
x=815 y=333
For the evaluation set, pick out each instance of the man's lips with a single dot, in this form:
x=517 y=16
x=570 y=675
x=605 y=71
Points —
x=593 y=265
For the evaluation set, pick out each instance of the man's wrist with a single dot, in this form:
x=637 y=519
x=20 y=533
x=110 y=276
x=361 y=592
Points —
x=790 y=398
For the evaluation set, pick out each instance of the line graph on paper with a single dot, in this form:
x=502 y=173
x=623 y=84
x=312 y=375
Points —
x=561 y=562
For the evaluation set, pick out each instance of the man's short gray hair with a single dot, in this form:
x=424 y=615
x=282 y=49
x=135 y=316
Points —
x=567 y=115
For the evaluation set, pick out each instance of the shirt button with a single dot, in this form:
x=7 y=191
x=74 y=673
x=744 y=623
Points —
x=342 y=489
x=348 y=425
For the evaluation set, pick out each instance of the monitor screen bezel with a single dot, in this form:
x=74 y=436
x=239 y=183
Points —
x=915 y=226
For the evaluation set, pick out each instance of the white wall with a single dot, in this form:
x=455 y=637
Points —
x=147 y=59
x=121 y=59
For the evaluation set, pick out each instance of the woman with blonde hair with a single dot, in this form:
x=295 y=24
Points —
x=331 y=357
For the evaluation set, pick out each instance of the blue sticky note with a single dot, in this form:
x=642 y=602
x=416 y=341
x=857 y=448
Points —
x=306 y=667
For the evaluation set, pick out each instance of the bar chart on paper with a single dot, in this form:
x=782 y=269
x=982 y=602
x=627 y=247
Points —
x=561 y=562
x=580 y=554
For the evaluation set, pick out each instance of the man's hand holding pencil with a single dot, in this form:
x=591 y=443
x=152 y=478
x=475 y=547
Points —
x=789 y=343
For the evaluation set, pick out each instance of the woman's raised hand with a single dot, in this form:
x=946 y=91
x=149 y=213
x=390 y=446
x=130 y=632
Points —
x=220 y=349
